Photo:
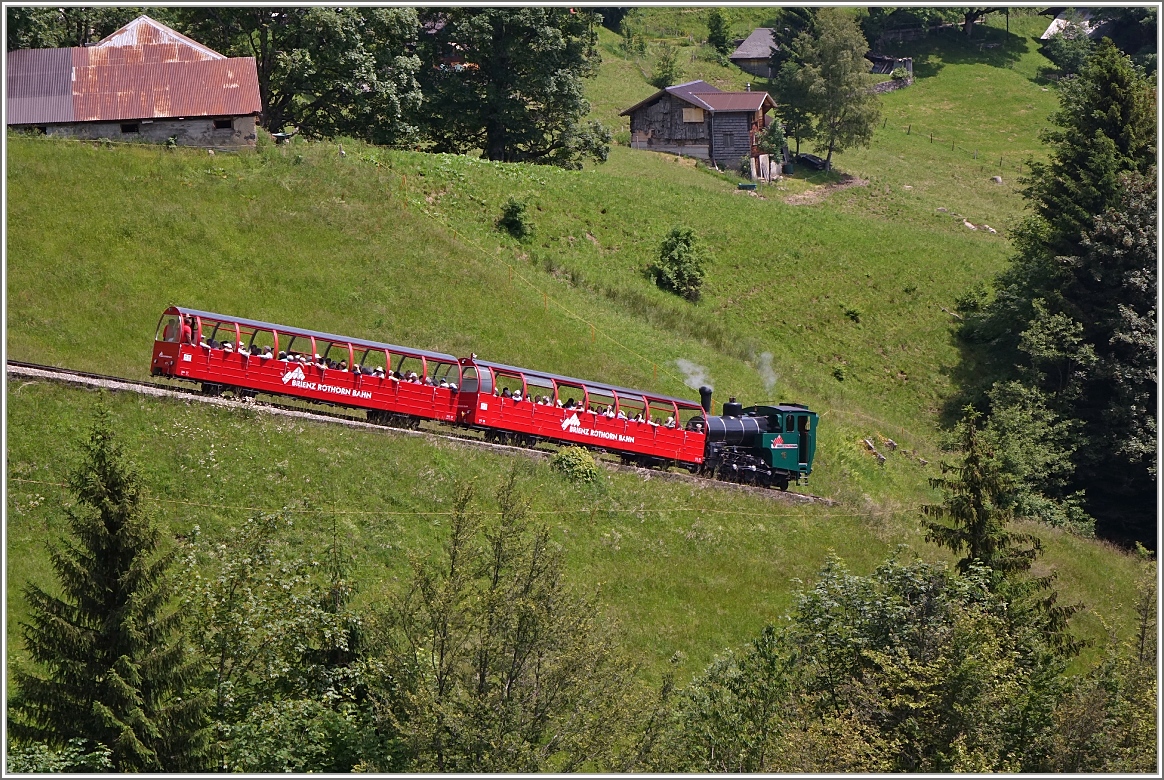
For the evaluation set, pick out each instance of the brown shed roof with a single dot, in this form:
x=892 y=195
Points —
x=737 y=101
x=145 y=70
x=705 y=96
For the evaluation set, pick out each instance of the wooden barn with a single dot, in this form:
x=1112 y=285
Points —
x=697 y=120
x=144 y=82
x=754 y=54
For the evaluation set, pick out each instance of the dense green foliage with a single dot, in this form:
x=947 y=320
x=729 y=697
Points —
x=681 y=263
x=111 y=666
x=515 y=219
x=1068 y=328
x=771 y=141
x=521 y=98
x=909 y=669
x=833 y=76
x=35 y=27
x=1069 y=47
x=666 y=70
x=717 y=31
x=326 y=71
x=281 y=648
x=576 y=463
x=494 y=663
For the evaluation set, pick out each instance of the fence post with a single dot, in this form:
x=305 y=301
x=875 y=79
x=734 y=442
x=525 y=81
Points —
x=975 y=154
x=951 y=146
x=546 y=299
x=908 y=128
x=931 y=138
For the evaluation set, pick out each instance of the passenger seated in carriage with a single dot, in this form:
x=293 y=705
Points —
x=670 y=421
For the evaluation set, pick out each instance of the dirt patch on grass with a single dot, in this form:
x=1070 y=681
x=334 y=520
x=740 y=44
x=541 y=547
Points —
x=819 y=193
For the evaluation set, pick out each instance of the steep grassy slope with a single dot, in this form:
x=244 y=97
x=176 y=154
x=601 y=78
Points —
x=684 y=570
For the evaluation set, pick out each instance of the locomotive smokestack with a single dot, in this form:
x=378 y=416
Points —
x=705 y=399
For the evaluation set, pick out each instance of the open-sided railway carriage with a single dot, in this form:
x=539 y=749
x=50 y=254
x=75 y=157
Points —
x=574 y=414
x=763 y=445
x=197 y=351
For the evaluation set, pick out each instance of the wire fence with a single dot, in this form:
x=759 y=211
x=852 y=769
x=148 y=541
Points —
x=1017 y=162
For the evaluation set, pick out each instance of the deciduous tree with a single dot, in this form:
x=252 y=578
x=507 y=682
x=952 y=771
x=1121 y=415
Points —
x=516 y=91
x=327 y=71
x=492 y=663
x=835 y=77
x=717 y=31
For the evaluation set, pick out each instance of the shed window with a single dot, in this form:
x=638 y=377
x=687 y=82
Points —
x=130 y=127
x=223 y=124
x=693 y=115
x=729 y=140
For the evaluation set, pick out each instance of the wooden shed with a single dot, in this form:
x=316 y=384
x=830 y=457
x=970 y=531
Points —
x=755 y=53
x=698 y=120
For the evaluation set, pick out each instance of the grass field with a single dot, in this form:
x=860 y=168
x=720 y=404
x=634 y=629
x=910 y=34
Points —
x=842 y=304
x=681 y=568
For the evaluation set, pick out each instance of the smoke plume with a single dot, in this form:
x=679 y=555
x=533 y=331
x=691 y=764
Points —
x=694 y=375
x=767 y=375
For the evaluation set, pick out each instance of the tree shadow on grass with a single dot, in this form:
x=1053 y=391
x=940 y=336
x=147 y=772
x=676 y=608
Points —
x=948 y=46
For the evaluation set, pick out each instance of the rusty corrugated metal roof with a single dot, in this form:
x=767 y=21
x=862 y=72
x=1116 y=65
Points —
x=143 y=32
x=737 y=101
x=143 y=71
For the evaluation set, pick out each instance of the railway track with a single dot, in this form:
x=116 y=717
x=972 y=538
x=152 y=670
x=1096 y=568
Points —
x=354 y=418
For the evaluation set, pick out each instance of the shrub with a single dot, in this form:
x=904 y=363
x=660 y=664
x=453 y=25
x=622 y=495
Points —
x=1068 y=48
x=839 y=373
x=514 y=220
x=576 y=463
x=666 y=71
x=679 y=268
x=771 y=141
x=899 y=74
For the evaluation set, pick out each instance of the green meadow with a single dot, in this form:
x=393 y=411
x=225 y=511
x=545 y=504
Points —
x=842 y=303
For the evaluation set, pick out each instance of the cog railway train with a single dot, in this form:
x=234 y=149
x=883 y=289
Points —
x=767 y=445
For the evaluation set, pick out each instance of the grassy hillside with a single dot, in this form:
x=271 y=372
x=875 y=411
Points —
x=838 y=304
x=684 y=570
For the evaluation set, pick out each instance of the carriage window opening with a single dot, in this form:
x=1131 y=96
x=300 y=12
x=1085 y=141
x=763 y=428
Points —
x=410 y=369
x=632 y=407
x=262 y=341
x=444 y=372
x=660 y=412
x=568 y=393
x=169 y=329
x=469 y=379
x=508 y=385
x=803 y=424
x=687 y=415
x=373 y=361
x=600 y=401
x=540 y=390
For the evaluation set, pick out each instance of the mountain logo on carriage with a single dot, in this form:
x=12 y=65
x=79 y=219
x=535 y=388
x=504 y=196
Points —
x=296 y=374
x=571 y=422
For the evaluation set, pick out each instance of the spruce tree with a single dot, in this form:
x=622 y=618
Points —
x=110 y=665
x=974 y=504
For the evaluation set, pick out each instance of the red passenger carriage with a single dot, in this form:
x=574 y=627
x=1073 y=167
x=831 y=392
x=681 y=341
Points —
x=564 y=409
x=193 y=345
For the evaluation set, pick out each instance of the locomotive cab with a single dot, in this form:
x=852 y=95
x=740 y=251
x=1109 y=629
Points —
x=763 y=444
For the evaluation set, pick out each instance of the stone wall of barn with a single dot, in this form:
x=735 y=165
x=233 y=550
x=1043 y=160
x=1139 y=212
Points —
x=239 y=131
